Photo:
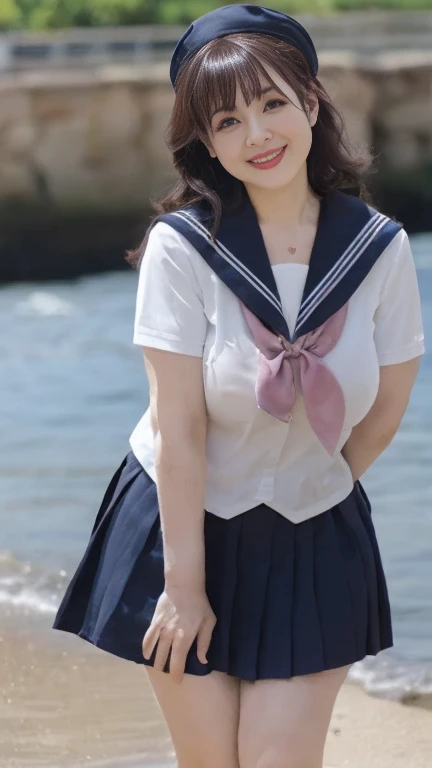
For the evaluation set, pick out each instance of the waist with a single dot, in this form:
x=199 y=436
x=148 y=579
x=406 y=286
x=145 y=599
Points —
x=238 y=479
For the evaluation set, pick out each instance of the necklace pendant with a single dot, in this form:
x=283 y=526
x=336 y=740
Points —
x=291 y=249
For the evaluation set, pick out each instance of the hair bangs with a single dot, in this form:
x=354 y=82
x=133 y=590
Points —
x=210 y=80
x=224 y=66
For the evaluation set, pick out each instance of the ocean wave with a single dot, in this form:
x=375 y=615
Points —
x=388 y=676
x=27 y=588
x=44 y=304
x=27 y=598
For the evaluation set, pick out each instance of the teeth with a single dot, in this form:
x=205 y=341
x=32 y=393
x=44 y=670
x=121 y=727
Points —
x=268 y=158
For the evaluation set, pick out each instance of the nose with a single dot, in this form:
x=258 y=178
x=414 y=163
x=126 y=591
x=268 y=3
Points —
x=256 y=133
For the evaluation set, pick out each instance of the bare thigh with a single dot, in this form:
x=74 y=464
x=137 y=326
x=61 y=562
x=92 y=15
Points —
x=284 y=723
x=202 y=715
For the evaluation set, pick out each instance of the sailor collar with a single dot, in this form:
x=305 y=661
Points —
x=351 y=236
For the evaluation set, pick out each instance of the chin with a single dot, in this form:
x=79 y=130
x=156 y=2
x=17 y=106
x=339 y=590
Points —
x=272 y=184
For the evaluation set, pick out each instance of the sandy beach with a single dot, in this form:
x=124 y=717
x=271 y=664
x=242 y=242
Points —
x=65 y=704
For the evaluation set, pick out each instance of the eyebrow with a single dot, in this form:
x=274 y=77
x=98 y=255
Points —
x=263 y=93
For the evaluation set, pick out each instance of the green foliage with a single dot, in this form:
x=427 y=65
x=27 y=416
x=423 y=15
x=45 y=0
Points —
x=185 y=11
x=10 y=14
x=383 y=5
x=52 y=14
x=296 y=7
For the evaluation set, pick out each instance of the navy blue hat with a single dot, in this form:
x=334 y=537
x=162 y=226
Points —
x=230 y=19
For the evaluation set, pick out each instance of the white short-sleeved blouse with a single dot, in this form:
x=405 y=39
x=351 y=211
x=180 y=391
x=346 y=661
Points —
x=182 y=306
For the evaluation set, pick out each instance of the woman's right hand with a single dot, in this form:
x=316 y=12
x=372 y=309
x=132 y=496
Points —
x=181 y=615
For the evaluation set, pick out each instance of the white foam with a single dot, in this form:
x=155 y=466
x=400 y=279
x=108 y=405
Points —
x=29 y=599
x=44 y=304
x=391 y=678
x=28 y=588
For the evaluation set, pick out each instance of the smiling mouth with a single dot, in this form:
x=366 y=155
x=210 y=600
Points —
x=268 y=157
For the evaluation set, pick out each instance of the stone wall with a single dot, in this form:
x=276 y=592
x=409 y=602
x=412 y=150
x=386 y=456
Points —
x=97 y=141
x=90 y=144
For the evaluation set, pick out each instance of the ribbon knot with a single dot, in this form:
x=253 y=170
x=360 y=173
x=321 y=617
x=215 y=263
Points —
x=291 y=350
x=298 y=367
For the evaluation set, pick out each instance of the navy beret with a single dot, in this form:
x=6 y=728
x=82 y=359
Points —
x=230 y=19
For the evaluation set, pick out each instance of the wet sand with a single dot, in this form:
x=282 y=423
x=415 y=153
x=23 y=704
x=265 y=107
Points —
x=65 y=704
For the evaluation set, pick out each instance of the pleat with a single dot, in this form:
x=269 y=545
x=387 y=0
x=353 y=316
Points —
x=136 y=582
x=71 y=613
x=124 y=475
x=109 y=493
x=253 y=565
x=385 y=639
x=275 y=650
x=222 y=543
x=125 y=541
x=338 y=596
x=307 y=649
x=351 y=525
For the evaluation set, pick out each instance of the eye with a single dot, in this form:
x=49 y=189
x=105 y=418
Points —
x=278 y=102
x=222 y=123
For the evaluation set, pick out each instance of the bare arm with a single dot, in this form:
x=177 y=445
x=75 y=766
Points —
x=171 y=326
x=179 y=420
x=375 y=432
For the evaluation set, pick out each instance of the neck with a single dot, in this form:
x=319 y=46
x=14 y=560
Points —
x=288 y=206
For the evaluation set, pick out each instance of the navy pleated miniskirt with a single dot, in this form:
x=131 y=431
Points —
x=289 y=599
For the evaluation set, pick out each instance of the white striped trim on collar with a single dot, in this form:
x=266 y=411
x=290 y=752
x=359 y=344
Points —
x=341 y=267
x=231 y=259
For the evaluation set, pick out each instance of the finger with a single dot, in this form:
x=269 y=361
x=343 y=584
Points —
x=163 y=648
x=150 y=639
x=179 y=651
x=203 y=640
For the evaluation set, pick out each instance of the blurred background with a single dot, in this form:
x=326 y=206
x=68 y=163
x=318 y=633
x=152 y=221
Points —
x=84 y=101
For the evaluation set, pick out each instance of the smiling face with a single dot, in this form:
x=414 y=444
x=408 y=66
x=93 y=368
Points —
x=273 y=122
x=229 y=74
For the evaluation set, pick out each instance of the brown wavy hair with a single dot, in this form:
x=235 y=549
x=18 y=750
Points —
x=209 y=80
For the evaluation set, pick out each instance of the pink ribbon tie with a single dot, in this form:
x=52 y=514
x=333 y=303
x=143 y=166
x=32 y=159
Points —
x=285 y=369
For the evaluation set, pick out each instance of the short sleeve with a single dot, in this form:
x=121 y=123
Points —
x=169 y=312
x=398 y=319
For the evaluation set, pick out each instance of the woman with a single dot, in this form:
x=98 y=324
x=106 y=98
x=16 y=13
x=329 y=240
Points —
x=234 y=553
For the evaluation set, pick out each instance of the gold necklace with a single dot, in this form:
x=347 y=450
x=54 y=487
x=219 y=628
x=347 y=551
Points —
x=292 y=249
